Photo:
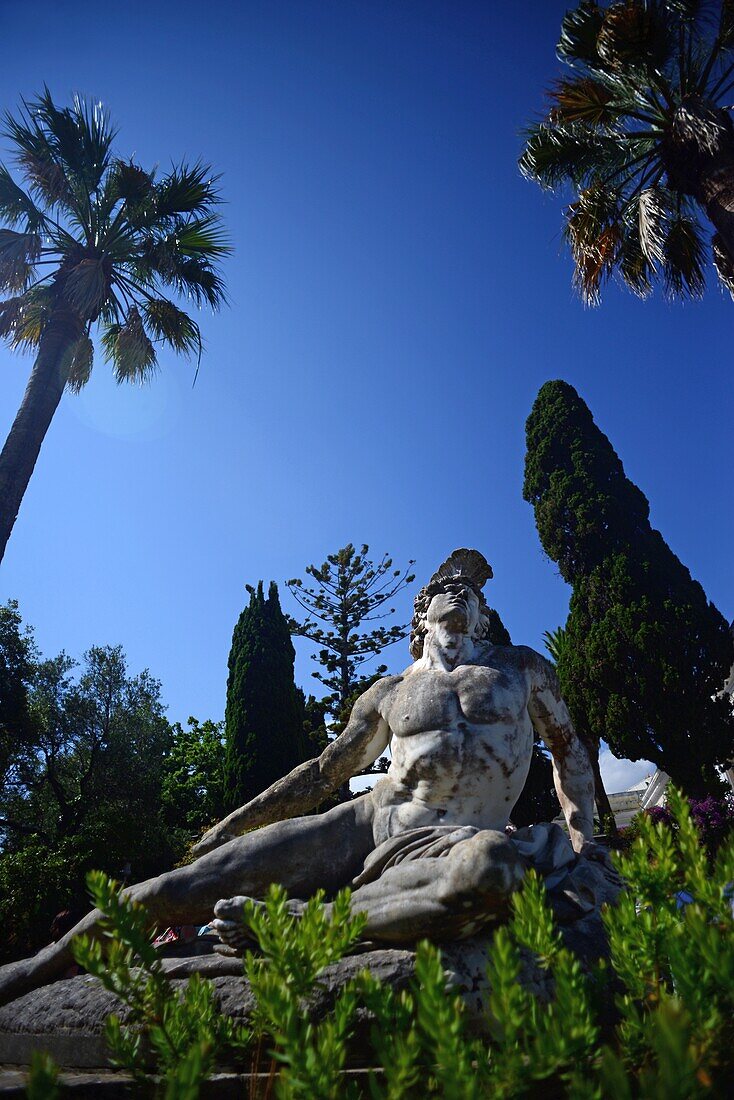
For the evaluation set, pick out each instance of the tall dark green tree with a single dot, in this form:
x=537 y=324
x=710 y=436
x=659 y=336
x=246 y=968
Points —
x=264 y=715
x=646 y=654
x=639 y=134
x=92 y=242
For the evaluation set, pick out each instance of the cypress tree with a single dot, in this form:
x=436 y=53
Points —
x=263 y=718
x=645 y=654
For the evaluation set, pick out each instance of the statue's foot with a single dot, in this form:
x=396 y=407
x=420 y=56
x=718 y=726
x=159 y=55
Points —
x=230 y=926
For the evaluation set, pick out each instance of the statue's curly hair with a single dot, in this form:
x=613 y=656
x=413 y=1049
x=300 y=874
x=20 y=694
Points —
x=419 y=626
x=467 y=567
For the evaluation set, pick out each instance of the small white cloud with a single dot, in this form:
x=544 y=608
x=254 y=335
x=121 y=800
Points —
x=620 y=775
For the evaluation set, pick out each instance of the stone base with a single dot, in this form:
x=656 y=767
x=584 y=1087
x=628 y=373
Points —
x=67 y=1019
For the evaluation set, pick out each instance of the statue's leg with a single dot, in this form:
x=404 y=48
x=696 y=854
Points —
x=446 y=898
x=303 y=854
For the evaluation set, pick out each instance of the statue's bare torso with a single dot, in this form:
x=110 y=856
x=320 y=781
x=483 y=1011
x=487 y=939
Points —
x=461 y=743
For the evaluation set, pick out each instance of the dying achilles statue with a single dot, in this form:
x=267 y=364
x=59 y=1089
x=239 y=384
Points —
x=426 y=852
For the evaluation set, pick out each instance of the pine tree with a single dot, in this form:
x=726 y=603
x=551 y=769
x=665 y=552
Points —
x=646 y=653
x=264 y=716
x=350 y=591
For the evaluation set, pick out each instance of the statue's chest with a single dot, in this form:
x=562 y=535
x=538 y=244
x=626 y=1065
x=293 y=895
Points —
x=436 y=700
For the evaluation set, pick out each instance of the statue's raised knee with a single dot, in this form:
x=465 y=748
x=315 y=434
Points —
x=483 y=874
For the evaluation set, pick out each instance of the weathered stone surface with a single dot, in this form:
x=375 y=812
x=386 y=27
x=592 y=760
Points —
x=67 y=1018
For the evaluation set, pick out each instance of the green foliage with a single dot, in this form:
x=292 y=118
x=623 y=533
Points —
x=637 y=130
x=350 y=591
x=75 y=732
x=184 y=1033
x=17 y=656
x=42 y=1078
x=263 y=719
x=111 y=236
x=192 y=788
x=675 y=961
x=645 y=655
x=36 y=883
x=671 y=976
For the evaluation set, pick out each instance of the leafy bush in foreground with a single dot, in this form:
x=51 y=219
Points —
x=670 y=975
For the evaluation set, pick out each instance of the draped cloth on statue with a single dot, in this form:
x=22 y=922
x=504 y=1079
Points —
x=544 y=847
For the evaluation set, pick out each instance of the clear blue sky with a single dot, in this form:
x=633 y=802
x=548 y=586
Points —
x=398 y=295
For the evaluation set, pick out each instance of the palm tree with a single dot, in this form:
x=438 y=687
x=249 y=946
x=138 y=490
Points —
x=92 y=240
x=641 y=130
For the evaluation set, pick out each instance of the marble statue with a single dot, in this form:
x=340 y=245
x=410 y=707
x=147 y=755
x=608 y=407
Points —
x=426 y=852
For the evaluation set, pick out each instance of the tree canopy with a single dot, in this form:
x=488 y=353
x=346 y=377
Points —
x=645 y=654
x=264 y=719
x=639 y=132
x=351 y=591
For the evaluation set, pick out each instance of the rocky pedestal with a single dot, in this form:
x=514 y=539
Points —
x=67 y=1018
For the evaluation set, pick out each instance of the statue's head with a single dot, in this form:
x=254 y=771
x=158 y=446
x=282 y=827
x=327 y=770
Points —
x=453 y=592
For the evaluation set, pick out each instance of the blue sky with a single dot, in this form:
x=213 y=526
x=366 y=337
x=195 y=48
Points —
x=398 y=295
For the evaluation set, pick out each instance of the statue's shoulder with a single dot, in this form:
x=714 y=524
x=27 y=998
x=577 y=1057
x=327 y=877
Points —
x=382 y=687
x=519 y=657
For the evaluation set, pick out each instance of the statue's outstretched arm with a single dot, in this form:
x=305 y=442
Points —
x=364 y=739
x=572 y=774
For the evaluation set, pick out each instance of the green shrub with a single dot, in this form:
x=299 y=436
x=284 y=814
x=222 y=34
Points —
x=670 y=978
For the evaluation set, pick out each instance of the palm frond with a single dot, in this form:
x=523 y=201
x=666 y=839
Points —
x=16 y=207
x=645 y=115
x=19 y=252
x=556 y=154
x=684 y=259
x=128 y=182
x=87 y=286
x=170 y=324
x=688 y=10
x=10 y=311
x=581 y=99
x=200 y=282
x=130 y=350
x=193 y=277
x=633 y=35
x=723 y=263
x=33 y=154
x=579 y=32
x=204 y=237
x=634 y=266
x=22 y=318
x=555 y=642
x=726 y=24
x=81 y=137
x=81 y=364
x=593 y=232
x=187 y=189
x=653 y=208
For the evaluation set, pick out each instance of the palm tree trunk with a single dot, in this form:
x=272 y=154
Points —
x=716 y=194
x=40 y=401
